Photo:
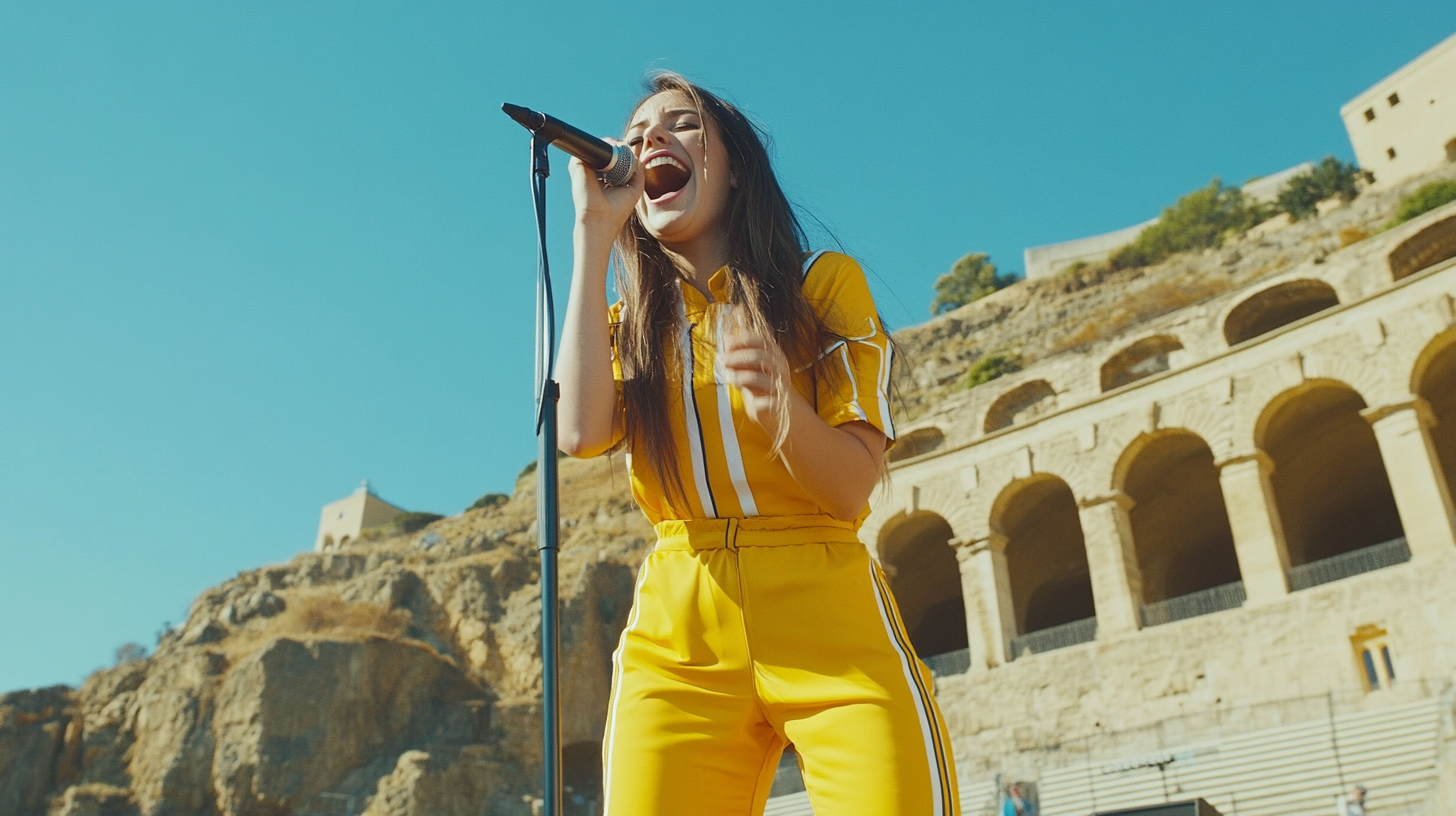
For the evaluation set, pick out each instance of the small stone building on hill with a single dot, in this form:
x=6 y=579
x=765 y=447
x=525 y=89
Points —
x=341 y=521
x=1405 y=124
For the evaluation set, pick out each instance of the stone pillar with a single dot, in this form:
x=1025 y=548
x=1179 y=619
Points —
x=986 y=589
x=1248 y=498
x=1421 y=494
x=1117 y=582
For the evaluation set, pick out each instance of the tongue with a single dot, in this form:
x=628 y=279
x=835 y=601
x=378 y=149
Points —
x=664 y=179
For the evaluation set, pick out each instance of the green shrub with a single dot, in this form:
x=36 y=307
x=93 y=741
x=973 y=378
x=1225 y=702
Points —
x=489 y=500
x=1199 y=220
x=970 y=279
x=1330 y=178
x=1426 y=198
x=990 y=367
x=128 y=652
x=410 y=521
x=531 y=466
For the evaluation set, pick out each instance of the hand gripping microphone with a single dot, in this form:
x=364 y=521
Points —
x=613 y=162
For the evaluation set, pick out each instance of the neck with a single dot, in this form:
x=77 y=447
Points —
x=699 y=258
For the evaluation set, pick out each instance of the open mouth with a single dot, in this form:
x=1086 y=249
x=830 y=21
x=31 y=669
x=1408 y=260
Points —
x=664 y=175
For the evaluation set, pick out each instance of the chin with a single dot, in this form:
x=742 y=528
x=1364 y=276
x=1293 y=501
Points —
x=667 y=226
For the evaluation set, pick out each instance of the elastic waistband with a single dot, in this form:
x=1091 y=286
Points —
x=756 y=531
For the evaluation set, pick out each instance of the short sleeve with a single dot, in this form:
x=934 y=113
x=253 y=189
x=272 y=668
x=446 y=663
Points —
x=852 y=375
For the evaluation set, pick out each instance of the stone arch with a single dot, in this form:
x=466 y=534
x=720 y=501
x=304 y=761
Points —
x=916 y=443
x=1434 y=380
x=1267 y=310
x=328 y=541
x=343 y=540
x=581 y=778
x=925 y=579
x=1024 y=402
x=1451 y=151
x=1330 y=484
x=1046 y=555
x=1144 y=358
x=1432 y=245
x=1180 y=525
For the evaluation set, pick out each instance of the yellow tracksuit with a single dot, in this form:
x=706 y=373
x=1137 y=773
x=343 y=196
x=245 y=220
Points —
x=759 y=619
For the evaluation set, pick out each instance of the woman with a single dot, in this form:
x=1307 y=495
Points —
x=747 y=380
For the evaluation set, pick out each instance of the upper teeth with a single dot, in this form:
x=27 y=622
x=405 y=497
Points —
x=661 y=160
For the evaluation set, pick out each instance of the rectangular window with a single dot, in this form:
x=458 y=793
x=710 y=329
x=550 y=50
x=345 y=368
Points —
x=1372 y=657
x=1393 y=99
x=1370 y=114
x=1372 y=679
x=1390 y=151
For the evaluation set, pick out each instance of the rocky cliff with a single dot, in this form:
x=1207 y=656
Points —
x=399 y=676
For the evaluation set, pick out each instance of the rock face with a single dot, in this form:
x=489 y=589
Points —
x=399 y=676
x=278 y=749
x=38 y=747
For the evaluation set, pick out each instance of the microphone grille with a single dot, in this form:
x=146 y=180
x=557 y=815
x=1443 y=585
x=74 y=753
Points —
x=620 y=169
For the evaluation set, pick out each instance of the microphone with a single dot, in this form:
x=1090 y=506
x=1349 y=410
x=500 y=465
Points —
x=613 y=162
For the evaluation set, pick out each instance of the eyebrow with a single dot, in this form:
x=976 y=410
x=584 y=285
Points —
x=674 y=112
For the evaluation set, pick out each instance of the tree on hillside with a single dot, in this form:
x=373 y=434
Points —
x=972 y=278
x=1330 y=178
x=1201 y=219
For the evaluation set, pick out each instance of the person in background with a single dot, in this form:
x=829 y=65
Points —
x=1015 y=802
x=1352 y=803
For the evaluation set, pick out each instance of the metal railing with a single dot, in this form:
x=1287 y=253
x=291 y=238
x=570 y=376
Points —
x=787 y=779
x=1057 y=637
x=948 y=663
x=1203 y=602
x=1344 y=565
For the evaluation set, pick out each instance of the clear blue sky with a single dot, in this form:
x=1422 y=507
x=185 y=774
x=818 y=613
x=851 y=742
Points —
x=251 y=253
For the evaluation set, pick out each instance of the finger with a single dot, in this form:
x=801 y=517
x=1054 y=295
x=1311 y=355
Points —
x=745 y=343
x=757 y=383
x=748 y=361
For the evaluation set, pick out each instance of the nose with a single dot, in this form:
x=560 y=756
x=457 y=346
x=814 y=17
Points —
x=656 y=135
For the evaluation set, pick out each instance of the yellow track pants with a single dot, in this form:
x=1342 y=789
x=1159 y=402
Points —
x=750 y=634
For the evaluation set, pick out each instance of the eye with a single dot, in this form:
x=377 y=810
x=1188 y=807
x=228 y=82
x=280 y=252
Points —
x=685 y=124
x=634 y=142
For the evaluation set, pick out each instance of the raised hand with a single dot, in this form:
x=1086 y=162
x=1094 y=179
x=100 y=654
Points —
x=756 y=366
x=601 y=211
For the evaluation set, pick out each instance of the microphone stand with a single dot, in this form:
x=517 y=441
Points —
x=547 y=515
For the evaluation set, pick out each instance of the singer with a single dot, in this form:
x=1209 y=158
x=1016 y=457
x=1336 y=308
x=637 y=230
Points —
x=748 y=381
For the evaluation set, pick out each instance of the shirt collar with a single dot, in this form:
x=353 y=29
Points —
x=717 y=286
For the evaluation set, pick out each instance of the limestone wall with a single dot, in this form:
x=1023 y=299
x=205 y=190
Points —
x=1270 y=388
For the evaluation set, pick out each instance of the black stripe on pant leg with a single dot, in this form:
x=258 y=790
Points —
x=897 y=627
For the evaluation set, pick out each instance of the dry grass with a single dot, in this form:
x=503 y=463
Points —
x=320 y=615
x=1351 y=235
x=1158 y=299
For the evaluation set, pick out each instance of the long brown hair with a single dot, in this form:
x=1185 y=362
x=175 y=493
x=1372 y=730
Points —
x=767 y=246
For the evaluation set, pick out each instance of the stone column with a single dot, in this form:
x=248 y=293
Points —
x=1421 y=494
x=1117 y=582
x=1248 y=498
x=986 y=590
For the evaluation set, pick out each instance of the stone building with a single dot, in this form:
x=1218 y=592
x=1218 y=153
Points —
x=1406 y=123
x=341 y=521
x=1235 y=523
